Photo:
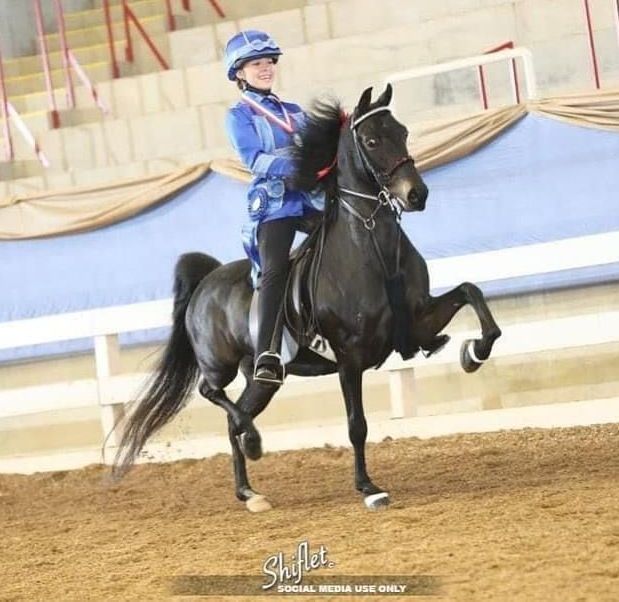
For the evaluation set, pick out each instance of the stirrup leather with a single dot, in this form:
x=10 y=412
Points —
x=275 y=363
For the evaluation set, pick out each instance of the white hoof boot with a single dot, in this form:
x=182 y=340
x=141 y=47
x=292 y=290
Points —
x=258 y=503
x=377 y=501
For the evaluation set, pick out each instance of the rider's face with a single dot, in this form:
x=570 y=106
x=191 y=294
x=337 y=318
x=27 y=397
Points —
x=259 y=73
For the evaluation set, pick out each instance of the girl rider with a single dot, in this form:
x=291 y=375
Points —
x=262 y=129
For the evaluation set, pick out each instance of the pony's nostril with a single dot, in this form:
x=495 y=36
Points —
x=424 y=193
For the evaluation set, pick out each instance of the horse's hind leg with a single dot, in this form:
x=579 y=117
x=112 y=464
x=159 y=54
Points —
x=440 y=310
x=255 y=398
x=252 y=401
x=240 y=422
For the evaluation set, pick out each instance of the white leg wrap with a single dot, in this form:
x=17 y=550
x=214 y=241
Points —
x=370 y=500
x=471 y=350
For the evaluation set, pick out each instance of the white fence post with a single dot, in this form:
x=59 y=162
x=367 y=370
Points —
x=107 y=356
x=402 y=388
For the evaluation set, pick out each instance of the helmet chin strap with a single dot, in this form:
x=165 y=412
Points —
x=249 y=88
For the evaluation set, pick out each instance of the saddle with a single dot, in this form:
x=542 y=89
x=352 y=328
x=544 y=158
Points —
x=297 y=311
x=298 y=308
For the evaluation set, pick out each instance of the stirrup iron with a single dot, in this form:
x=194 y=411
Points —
x=320 y=346
x=275 y=363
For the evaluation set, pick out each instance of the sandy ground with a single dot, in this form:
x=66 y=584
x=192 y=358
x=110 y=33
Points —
x=526 y=515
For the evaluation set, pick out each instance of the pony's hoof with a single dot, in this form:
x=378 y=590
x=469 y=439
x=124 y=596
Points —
x=468 y=361
x=258 y=503
x=251 y=444
x=377 y=501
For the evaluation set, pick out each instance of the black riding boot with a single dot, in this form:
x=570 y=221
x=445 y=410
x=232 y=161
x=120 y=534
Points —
x=274 y=241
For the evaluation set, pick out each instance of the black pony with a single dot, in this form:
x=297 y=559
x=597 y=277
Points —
x=371 y=295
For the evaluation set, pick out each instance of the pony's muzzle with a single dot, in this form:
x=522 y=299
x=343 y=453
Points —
x=417 y=197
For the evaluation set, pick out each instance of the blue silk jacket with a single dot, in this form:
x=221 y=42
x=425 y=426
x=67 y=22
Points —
x=263 y=146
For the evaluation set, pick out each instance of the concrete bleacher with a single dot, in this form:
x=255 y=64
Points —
x=160 y=119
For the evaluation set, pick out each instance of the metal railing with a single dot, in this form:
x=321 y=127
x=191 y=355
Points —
x=591 y=38
x=214 y=3
x=64 y=48
x=10 y=114
x=594 y=59
x=4 y=107
x=27 y=135
x=47 y=72
x=129 y=18
x=513 y=75
x=509 y=54
x=69 y=64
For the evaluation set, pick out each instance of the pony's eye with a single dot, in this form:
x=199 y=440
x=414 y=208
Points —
x=371 y=143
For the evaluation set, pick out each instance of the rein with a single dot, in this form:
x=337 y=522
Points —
x=383 y=199
x=369 y=223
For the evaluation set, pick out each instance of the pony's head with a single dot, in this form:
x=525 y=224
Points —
x=378 y=151
x=367 y=149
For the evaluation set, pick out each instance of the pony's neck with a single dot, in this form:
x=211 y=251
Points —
x=354 y=234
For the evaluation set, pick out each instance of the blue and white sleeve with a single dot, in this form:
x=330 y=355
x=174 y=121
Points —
x=247 y=143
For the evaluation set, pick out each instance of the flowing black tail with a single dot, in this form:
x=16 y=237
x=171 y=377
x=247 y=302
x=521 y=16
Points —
x=176 y=373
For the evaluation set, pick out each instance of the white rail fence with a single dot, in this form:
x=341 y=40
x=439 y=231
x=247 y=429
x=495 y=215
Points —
x=524 y=55
x=111 y=391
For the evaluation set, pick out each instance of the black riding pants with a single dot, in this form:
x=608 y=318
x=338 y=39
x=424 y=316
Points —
x=275 y=239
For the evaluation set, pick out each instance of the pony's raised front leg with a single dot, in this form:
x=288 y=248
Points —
x=350 y=380
x=440 y=310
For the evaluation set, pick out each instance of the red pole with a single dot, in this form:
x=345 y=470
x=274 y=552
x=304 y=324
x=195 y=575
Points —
x=151 y=45
x=170 y=15
x=46 y=68
x=10 y=153
x=594 y=59
x=110 y=39
x=516 y=84
x=66 y=64
x=217 y=8
x=482 y=82
x=482 y=87
x=128 y=41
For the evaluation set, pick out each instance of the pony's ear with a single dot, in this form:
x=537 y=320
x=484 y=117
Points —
x=385 y=98
x=364 y=102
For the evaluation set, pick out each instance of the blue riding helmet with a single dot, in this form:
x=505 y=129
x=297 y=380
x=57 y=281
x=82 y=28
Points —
x=247 y=45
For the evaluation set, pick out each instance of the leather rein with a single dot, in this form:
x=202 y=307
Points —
x=384 y=198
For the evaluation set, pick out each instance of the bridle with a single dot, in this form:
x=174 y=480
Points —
x=384 y=198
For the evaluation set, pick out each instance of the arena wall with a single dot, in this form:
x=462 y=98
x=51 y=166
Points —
x=555 y=377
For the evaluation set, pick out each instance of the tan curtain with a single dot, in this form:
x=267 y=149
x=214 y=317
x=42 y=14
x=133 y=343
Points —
x=445 y=142
x=79 y=209
x=52 y=213
x=599 y=110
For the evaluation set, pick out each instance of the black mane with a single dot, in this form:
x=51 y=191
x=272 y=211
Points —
x=320 y=137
